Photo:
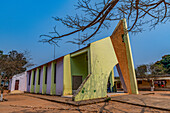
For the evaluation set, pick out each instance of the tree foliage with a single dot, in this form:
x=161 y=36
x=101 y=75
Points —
x=98 y=14
x=13 y=63
x=141 y=70
x=161 y=67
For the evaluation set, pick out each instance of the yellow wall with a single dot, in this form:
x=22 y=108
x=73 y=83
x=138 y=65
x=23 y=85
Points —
x=103 y=59
x=168 y=83
x=67 y=80
x=145 y=84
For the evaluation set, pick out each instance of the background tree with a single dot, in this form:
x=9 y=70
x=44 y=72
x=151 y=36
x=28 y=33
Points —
x=96 y=15
x=13 y=63
x=141 y=70
x=147 y=71
x=161 y=67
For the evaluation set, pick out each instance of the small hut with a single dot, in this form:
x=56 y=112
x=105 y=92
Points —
x=18 y=83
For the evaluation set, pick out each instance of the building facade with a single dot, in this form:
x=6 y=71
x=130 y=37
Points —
x=159 y=82
x=85 y=73
x=18 y=82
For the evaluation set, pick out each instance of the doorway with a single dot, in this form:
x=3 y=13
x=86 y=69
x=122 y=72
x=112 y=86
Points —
x=76 y=82
x=16 y=84
x=79 y=70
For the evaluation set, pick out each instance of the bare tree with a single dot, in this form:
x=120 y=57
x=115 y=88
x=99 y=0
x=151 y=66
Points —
x=97 y=15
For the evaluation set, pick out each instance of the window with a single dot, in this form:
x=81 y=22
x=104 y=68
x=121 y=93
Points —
x=39 y=76
x=29 y=77
x=139 y=82
x=46 y=75
x=55 y=73
x=34 y=77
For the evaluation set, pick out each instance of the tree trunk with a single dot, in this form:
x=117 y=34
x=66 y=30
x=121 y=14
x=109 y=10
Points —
x=0 y=80
x=1 y=89
x=8 y=84
x=4 y=83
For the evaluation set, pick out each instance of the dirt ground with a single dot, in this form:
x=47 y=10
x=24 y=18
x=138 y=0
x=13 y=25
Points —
x=26 y=104
x=158 y=94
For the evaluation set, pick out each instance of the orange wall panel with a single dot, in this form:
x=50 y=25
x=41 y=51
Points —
x=120 y=50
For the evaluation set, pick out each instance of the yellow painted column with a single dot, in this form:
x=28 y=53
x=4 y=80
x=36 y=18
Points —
x=37 y=79
x=112 y=78
x=53 y=85
x=44 y=85
x=32 y=80
x=67 y=80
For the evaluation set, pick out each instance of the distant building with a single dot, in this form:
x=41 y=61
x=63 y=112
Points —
x=18 y=82
x=160 y=82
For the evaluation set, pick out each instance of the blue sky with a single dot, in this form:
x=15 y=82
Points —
x=23 y=21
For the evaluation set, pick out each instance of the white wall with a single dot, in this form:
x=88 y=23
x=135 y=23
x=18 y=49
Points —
x=22 y=81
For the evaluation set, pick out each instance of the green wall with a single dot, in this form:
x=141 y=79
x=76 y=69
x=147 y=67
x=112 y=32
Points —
x=79 y=65
x=37 y=78
x=53 y=85
x=32 y=78
x=112 y=78
x=44 y=86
